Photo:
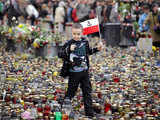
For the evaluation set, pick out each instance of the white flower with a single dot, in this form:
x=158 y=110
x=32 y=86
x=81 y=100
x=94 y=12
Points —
x=124 y=11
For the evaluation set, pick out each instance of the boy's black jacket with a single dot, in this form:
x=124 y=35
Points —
x=64 y=53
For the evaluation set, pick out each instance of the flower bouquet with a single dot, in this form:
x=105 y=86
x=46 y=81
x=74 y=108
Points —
x=40 y=42
x=4 y=30
x=22 y=33
x=41 y=37
x=124 y=9
x=156 y=51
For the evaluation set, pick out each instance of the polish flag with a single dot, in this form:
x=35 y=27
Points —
x=90 y=26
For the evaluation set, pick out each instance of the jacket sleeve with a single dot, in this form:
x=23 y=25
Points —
x=91 y=51
x=140 y=23
x=64 y=51
x=148 y=19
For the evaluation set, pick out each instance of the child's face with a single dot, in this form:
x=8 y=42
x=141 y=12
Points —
x=76 y=33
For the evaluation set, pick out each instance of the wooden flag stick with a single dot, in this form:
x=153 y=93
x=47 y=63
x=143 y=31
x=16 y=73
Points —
x=99 y=30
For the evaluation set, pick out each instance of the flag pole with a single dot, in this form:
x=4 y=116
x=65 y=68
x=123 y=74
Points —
x=99 y=30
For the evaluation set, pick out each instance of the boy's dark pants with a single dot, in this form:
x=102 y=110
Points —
x=82 y=78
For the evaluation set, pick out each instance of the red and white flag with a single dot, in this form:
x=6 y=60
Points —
x=90 y=26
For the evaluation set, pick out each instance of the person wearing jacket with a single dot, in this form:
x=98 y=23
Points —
x=32 y=13
x=154 y=22
x=81 y=11
x=75 y=54
x=107 y=11
x=13 y=12
x=143 y=18
x=60 y=15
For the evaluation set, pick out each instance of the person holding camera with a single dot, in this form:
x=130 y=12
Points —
x=75 y=54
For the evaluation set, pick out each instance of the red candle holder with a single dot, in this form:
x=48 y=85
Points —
x=39 y=109
x=149 y=36
x=141 y=113
x=116 y=79
x=65 y=117
x=14 y=100
x=156 y=96
x=44 y=100
x=43 y=73
x=25 y=107
x=154 y=113
x=7 y=98
x=46 y=113
x=107 y=107
x=99 y=95
x=47 y=108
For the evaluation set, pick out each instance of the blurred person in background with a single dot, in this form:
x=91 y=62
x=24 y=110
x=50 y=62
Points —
x=99 y=10
x=158 y=2
x=74 y=5
x=69 y=10
x=22 y=7
x=150 y=3
x=154 y=24
x=138 y=9
x=142 y=18
x=114 y=13
x=55 y=5
x=140 y=3
x=50 y=14
x=13 y=12
x=60 y=15
x=107 y=11
x=32 y=13
x=2 y=5
x=37 y=4
x=44 y=11
x=92 y=13
x=83 y=9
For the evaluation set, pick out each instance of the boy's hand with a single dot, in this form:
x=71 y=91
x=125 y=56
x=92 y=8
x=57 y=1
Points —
x=72 y=47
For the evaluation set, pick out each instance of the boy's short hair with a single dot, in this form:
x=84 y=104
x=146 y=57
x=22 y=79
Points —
x=77 y=26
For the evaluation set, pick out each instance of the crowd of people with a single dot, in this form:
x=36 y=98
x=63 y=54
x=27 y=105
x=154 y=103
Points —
x=58 y=13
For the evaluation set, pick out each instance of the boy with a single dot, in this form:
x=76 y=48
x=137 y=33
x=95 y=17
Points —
x=76 y=64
